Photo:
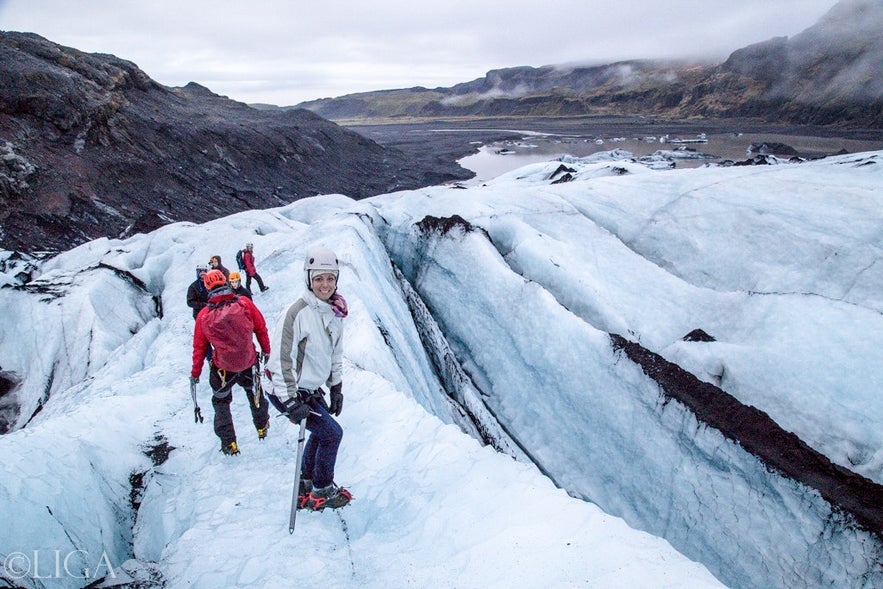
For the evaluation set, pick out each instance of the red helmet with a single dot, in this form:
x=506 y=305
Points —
x=213 y=279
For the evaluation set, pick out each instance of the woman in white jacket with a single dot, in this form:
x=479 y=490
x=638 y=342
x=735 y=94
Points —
x=307 y=353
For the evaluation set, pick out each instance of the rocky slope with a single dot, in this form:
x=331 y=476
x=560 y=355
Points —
x=90 y=146
x=830 y=74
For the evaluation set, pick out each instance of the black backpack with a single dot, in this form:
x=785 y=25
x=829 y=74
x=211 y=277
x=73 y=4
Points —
x=239 y=260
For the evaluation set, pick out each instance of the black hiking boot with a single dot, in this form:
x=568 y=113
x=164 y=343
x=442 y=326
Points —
x=303 y=493
x=262 y=431
x=230 y=448
x=331 y=496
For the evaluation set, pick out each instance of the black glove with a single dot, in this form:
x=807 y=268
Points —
x=296 y=410
x=336 y=399
x=264 y=358
x=194 y=380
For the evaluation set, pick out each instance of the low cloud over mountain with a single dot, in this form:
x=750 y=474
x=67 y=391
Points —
x=827 y=75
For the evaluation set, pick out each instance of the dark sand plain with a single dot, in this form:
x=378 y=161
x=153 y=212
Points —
x=451 y=140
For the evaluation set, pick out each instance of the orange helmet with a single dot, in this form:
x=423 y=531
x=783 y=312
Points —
x=213 y=279
x=234 y=275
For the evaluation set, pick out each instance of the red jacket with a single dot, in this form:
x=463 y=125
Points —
x=227 y=323
x=248 y=260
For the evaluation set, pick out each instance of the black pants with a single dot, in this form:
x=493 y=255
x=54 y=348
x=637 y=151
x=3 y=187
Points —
x=222 y=383
x=257 y=277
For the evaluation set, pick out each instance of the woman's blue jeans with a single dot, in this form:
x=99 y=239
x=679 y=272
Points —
x=320 y=451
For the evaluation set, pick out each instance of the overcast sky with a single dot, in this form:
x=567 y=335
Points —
x=288 y=51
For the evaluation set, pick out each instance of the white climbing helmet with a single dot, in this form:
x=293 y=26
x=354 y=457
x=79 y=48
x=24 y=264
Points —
x=321 y=260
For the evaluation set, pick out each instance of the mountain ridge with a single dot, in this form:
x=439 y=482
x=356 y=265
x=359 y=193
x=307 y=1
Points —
x=829 y=74
x=91 y=146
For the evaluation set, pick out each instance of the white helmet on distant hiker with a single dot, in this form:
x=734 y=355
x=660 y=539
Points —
x=320 y=260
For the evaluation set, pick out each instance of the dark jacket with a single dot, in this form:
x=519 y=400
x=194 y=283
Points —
x=220 y=267
x=242 y=291
x=197 y=295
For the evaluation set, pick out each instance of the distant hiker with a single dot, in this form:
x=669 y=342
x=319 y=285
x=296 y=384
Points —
x=308 y=337
x=247 y=265
x=227 y=323
x=197 y=298
x=236 y=285
x=215 y=263
x=197 y=294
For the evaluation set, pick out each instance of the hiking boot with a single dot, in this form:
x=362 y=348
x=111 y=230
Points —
x=230 y=448
x=262 y=431
x=331 y=496
x=303 y=493
x=265 y=288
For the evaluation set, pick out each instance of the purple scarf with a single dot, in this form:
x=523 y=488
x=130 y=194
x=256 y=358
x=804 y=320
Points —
x=338 y=304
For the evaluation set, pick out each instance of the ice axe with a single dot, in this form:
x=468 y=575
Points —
x=292 y=517
x=258 y=387
x=197 y=412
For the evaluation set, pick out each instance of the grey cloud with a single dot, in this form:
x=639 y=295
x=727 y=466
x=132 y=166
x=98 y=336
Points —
x=313 y=49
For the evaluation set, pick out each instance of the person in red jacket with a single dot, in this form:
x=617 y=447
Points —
x=227 y=323
x=250 y=270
